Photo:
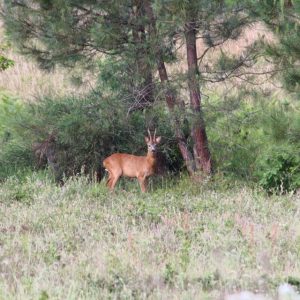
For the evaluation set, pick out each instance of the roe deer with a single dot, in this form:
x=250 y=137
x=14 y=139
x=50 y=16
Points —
x=141 y=167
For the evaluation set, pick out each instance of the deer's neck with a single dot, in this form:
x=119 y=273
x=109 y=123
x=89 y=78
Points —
x=151 y=157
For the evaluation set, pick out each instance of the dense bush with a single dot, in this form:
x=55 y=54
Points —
x=15 y=149
x=250 y=139
x=74 y=134
x=256 y=141
x=81 y=132
x=278 y=165
x=234 y=136
x=279 y=170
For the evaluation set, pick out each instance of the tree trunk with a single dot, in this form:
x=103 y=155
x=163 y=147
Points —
x=201 y=151
x=169 y=95
x=144 y=95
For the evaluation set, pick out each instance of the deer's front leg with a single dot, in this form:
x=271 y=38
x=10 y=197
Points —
x=142 y=182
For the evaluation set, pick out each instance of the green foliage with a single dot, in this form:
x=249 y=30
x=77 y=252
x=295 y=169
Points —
x=15 y=150
x=282 y=17
x=19 y=191
x=234 y=135
x=294 y=281
x=279 y=170
x=44 y=295
x=256 y=141
x=5 y=63
x=85 y=131
x=226 y=63
x=67 y=31
x=278 y=165
x=170 y=273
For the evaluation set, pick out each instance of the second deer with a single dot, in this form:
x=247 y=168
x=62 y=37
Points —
x=141 y=167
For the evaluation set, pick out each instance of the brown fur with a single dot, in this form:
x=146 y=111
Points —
x=141 y=167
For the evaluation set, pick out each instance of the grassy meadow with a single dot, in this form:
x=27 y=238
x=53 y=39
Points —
x=181 y=240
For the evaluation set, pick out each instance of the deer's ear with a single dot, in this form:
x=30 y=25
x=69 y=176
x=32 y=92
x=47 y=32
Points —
x=158 y=139
x=147 y=140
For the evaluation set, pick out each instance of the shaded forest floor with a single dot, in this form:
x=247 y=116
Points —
x=179 y=241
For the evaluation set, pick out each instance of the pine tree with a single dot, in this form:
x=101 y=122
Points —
x=69 y=31
x=283 y=18
x=143 y=32
x=201 y=151
x=215 y=22
x=169 y=93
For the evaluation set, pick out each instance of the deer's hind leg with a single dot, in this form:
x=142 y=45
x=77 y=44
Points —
x=113 y=178
x=109 y=180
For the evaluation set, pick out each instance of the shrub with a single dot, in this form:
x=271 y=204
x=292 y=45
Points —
x=279 y=170
x=278 y=162
x=75 y=134
x=15 y=150
x=234 y=135
x=256 y=141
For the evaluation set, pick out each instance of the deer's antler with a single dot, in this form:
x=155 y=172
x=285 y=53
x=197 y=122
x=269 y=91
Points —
x=150 y=137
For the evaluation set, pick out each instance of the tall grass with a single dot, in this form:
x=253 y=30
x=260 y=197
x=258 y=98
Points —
x=179 y=241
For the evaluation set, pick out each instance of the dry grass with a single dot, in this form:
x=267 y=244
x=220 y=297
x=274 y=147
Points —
x=176 y=242
x=29 y=82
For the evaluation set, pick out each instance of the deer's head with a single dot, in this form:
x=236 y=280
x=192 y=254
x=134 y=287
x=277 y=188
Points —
x=152 y=141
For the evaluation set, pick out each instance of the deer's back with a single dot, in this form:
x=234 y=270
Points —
x=130 y=165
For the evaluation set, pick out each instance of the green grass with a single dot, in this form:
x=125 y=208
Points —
x=179 y=241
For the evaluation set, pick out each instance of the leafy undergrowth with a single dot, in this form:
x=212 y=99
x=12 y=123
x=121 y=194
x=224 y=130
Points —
x=179 y=241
